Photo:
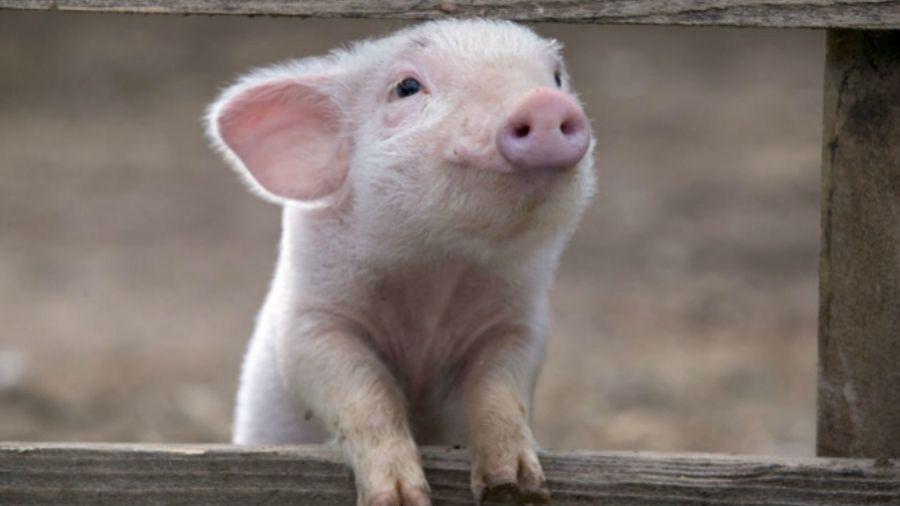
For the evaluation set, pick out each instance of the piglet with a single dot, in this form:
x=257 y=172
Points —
x=429 y=181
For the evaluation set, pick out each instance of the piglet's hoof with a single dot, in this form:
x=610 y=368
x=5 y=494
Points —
x=508 y=487
x=400 y=496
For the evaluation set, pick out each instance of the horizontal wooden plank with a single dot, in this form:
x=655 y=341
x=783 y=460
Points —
x=883 y=14
x=76 y=474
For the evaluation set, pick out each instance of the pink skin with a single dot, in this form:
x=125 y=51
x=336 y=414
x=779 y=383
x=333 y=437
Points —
x=539 y=129
x=421 y=236
x=513 y=174
x=546 y=130
x=429 y=325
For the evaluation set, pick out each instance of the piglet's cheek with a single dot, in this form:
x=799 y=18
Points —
x=474 y=147
x=392 y=119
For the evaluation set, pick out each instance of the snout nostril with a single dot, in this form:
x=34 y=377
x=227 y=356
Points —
x=544 y=130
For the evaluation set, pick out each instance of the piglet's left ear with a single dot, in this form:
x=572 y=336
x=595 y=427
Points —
x=285 y=136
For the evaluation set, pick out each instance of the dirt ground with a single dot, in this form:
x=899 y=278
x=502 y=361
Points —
x=132 y=261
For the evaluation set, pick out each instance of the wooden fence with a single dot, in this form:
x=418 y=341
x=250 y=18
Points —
x=859 y=315
x=35 y=474
x=870 y=14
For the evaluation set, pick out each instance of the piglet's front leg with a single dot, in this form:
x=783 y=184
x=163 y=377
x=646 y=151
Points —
x=349 y=388
x=497 y=391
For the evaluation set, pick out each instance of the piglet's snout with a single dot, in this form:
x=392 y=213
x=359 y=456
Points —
x=545 y=130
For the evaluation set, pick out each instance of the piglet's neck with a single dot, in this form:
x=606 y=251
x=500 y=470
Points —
x=323 y=258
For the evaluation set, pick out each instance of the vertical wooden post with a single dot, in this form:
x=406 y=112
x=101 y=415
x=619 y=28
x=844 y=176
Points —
x=859 y=306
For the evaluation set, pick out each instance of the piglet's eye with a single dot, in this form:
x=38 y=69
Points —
x=558 y=79
x=407 y=87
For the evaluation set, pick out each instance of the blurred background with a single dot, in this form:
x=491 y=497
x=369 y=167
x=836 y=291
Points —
x=132 y=262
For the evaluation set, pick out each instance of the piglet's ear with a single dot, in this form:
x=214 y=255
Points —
x=285 y=135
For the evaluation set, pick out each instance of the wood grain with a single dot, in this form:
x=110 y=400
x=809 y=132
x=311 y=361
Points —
x=77 y=474
x=859 y=316
x=773 y=13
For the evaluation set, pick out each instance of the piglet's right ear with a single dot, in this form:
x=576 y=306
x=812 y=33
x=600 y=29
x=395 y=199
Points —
x=285 y=135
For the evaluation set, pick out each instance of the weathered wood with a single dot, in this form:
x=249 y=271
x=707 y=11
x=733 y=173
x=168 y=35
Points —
x=859 y=320
x=310 y=475
x=774 y=13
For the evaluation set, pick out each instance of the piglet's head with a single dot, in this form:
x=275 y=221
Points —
x=453 y=131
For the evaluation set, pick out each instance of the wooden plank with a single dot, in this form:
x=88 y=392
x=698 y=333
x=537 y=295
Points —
x=76 y=474
x=859 y=319
x=774 y=13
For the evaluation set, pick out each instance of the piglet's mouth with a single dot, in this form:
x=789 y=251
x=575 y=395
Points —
x=485 y=157
x=490 y=159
